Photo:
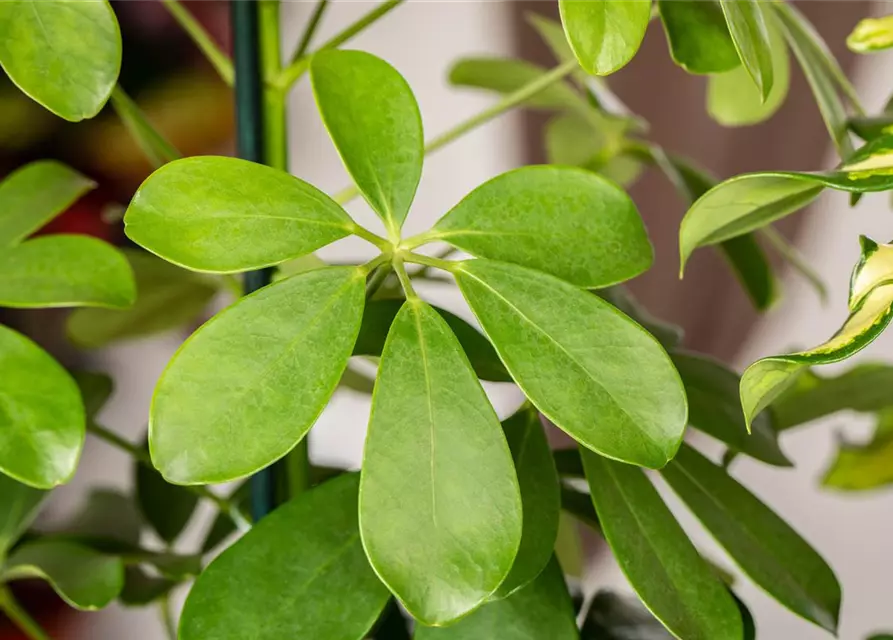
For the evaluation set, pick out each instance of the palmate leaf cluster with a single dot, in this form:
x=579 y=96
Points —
x=453 y=514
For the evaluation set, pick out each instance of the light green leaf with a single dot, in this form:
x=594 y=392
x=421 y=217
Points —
x=379 y=315
x=669 y=335
x=65 y=54
x=734 y=101
x=604 y=34
x=440 y=508
x=862 y=467
x=225 y=215
x=299 y=573
x=616 y=617
x=542 y=609
x=568 y=222
x=35 y=194
x=587 y=367
x=765 y=547
x=698 y=36
x=65 y=271
x=168 y=297
x=750 y=35
x=19 y=505
x=167 y=508
x=871 y=34
x=875 y=268
x=249 y=384
x=714 y=407
x=42 y=423
x=154 y=145
x=661 y=563
x=374 y=121
x=84 y=578
x=540 y=498
x=597 y=146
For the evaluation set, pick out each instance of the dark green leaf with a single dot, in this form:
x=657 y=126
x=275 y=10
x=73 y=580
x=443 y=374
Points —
x=65 y=54
x=154 y=145
x=750 y=35
x=140 y=588
x=299 y=573
x=579 y=505
x=95 y=388
x=698 y=36
x=167 y=508
x=604 y=34
x=870 y=127
x=108 y=521
x=224 y=215
x=440 y=509
x=374 y=121
x=661 y=563
x=586 y=366
x=568 y=222
x=542 y=609
x=863 y=467
x=249 y=384
x=42 y=422
x=612 y=616
x=19 y=505
x=35 y=194
x=760 y=542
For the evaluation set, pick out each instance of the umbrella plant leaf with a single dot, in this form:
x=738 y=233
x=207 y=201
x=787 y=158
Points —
x=698 y=36
x=604 y=34
x=749 y=32
x=19 y=505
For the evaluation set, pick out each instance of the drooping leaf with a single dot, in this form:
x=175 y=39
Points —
x=698 y=36
x=540 y=498
x=568 y=222
x=612 y=616
x=84 y=578
x=586 y=366
x=604 y=34
x=750 y=35
x=35 y=194
x=167 y=508
x=542 y=609
x=224 y=215
x=862 y=467
x=374 y=121
x=661 y=563
x=42 y=423
x=669 y=335
x=65 y=271
x=871 y=34
x=440 y=509
x=734 y=101
x=714 y=407
x=299 y=573
x=379 y=315
x=168 y=297
x=154 y=145
x=65 y=54
x=249 y=384
x=19 y=505
x=765 y=547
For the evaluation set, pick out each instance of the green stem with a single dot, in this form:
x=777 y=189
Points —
x=405 y=282
x=430 y=261
x=219 y=60
x=300 y=64
x=20 y=617
x=443 y=253
x=310 y=29
x=368 y=236
x=509 y=102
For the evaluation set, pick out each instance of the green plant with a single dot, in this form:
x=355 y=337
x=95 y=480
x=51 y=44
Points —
x=453 y=514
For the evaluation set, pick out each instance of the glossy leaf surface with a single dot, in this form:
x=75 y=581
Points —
x=604 y=34
x=698 y=36
x=765 y=547
x=283 y=348
x=288 y=576
x=440 y=508
x=19 y=504
x=750 y=35
x=65 y=54
x=374 y=121
x=568 y=222
x=224 y=215
x=662 y=565
x=587 y=367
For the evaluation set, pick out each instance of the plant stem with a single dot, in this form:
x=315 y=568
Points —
x=405 y=282
x=368 y=236
x=219 y=60
x=510 y=101
x=20 y=617
x=430 y=261
x=167 y=616
x=300 y=64
x=310 y=29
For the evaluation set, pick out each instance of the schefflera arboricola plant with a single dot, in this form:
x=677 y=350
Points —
x=437 y=515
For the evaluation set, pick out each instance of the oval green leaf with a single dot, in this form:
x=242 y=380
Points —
x=440 y=509
x=65 y=271
x=586 y=366
x=765 y=547
x=19 y=505
x=374 y=121
x=65 y=54
x=224 y=215
x=42 y=422
x=750 y=35
x=698 y=36
x=540 y=498
x=84 y=578
x=249 y=384
x=604 y=34
x=35 y=194
x=542 y=609
x=568 y=222
x=299 y=573
x=654 y=553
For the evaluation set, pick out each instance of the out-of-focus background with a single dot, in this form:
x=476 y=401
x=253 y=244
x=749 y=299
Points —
x=181 y=94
